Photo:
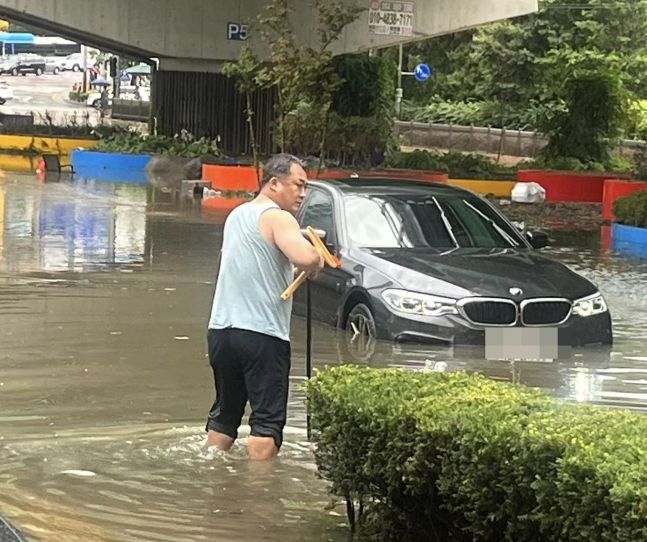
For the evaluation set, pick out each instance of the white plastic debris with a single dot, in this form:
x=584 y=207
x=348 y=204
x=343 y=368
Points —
x=528 y=193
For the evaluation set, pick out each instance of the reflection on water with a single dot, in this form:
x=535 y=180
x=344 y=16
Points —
x=104 y=383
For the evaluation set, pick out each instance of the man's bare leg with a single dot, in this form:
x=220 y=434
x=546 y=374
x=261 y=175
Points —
x=261 y=448
x=219 y=440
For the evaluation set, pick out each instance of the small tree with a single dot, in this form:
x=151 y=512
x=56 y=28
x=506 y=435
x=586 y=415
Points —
x=301 y=72
x=592 y=112
x=244 y=72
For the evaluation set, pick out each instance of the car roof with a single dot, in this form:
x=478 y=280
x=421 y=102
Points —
x=386 y=186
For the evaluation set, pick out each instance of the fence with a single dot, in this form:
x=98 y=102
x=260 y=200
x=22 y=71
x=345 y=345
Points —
x=130 y=110
x=15 y=121
x=483 y=139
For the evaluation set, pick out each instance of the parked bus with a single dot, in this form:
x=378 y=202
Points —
x=20 y=42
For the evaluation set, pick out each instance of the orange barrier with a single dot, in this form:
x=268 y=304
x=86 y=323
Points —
x=615 y=189
x=567 y=185
x=233 y=178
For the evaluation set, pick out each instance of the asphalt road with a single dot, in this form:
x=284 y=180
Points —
x=45 y=94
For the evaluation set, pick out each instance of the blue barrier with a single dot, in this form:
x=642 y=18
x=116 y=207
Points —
x=629 y=240
x=113 y=167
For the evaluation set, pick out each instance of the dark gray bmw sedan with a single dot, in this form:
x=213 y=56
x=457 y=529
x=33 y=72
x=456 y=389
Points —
x=436 y=264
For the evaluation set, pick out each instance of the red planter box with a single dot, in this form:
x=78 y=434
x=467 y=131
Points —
x=405 y=174
x=567 y=185
x=617 y=188
x=231 y=178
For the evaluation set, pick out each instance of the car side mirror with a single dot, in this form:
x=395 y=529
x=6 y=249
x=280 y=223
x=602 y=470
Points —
x=320 y=233
x=538 y=238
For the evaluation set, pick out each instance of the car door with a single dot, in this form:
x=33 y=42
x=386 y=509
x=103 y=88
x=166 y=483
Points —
x=326 y=290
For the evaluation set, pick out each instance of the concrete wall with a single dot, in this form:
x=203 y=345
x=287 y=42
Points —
x=195 y=31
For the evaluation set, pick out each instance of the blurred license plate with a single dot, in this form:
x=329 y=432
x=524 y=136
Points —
x=521 y=343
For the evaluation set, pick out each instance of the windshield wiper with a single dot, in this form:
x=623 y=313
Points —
x=448 y=226
x=498 y=228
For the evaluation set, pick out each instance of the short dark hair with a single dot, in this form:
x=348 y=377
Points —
x=279 y=165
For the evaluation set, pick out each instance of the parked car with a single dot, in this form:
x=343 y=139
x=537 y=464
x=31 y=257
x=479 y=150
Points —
x=23 y=64
x=431 y=263
x=74 y=62
x=54 y=64
x=6 y=92
x=94 y=99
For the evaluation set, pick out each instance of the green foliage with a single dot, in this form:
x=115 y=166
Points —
x=457 y=165
x=299 y=72
x=452 y=456
x=351 y=141
x=78 y=96
x=481 y=113
x=631 y=210
x=358 y=123
x=184 y=145
x=592 y=116
x=615 y=163
x=244 y=72
x=522 y=66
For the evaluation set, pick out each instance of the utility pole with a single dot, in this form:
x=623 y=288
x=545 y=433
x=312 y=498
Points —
x=84 y=53
x=398 y=90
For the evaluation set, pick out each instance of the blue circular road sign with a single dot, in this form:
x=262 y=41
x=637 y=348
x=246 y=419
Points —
x=422 y=72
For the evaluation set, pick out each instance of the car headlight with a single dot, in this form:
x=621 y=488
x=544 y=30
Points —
x=590 y=305
x=415 y=303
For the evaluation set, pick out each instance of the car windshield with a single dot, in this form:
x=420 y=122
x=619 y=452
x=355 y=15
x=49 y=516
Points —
x=429 y=220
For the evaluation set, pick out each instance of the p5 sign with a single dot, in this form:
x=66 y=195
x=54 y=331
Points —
x=236 y=31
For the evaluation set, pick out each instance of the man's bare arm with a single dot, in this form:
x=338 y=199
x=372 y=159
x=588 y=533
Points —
x=287 y=237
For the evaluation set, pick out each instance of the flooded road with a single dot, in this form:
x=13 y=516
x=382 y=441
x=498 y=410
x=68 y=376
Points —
x=105 y=291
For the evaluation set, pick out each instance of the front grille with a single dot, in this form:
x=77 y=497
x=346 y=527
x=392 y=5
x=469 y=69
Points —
x=491 y=312
x=545 y=312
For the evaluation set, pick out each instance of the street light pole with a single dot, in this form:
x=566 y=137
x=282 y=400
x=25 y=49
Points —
x=84 y=52
x=398 y=90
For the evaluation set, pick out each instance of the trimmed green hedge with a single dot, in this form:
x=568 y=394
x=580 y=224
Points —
x=631 y=210
x=456 y=164
x=435 y=456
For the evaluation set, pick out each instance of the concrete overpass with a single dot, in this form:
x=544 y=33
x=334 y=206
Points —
x=191 y=39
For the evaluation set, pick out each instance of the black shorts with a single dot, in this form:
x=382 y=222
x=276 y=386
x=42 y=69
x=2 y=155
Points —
x=249 y=366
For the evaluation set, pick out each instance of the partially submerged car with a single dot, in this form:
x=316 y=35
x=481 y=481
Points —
x=427 y=262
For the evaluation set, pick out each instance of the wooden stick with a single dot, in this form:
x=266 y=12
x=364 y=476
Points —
x=287 y=293
x=331 y=260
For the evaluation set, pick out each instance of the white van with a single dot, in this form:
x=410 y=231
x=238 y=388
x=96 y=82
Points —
x=74 y=62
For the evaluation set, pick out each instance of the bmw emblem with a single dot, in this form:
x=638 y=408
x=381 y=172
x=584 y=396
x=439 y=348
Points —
x=516 y=291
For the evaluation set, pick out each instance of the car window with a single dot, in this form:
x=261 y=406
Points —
x=319 y=213
x=439 y=221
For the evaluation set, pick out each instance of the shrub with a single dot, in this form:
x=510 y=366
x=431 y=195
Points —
x=632 y=209
x=456 y=164
x=184 y=145
x=454 y=456
x=78 y=96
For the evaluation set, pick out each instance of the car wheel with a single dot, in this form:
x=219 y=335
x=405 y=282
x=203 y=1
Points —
x=76 y=68
x=361 y=334
x=14 y=72
x=97 y=103
x=39 y=71
x=24 y=74
x=2 y=101
x=55 y=71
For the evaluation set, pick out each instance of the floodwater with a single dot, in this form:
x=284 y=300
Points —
x=105 y=291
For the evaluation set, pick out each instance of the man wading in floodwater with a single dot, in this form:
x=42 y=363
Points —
x=248 y=337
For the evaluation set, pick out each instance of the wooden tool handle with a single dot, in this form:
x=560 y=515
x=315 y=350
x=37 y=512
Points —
x=287 y=293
